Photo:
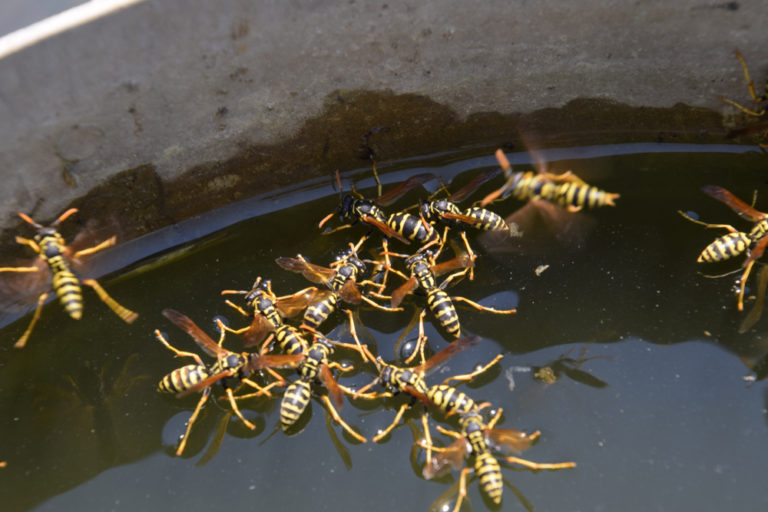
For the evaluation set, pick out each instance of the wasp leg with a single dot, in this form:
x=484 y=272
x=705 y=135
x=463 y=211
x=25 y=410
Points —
x=536 y=466
x=362 y=349
x=126 y=314
x=30 y=243
x=337 y=418
x=233 y=403
x=19 y=269
x=427 y=438
x=179 y=353
x=192 y=419
x=392 y=425
x=38 y=309
x=462 y=488
x=421 y=341
x=469 y=376
x=752 y=92
x=485 y=308
x=728 y=227
x=109 y=242
x=743 y=284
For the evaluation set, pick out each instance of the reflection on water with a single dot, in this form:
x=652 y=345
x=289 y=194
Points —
x=637 y=368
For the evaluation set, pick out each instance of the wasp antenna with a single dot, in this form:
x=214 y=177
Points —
x=64 y=216
x=26 y=218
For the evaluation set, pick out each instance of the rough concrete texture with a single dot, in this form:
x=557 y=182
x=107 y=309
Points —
x=196 y=88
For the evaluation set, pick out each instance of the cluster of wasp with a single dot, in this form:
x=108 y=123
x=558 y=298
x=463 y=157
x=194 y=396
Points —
x=273 y=343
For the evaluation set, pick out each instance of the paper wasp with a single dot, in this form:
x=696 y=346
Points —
x=231 y=369
x=403 y=226
x=735 y=242
x=566 y=189
x=342 y=279
x=268 y=313
x=423 y=269
x=316 y=365
x=57 y=260
x=480 y=439
x=761 y=109
x=410 y=380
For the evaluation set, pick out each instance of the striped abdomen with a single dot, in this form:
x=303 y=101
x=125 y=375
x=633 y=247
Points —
x=412 y=228
x=182 y=379
x=580 y=195
x=289 y=340
x=441 y=306
x=450 y=400
x=318 y=312
x=318 y=353
x=486 y=219
x=65 y=284
x=488 y=473
x=294 y=402
x=725 y=247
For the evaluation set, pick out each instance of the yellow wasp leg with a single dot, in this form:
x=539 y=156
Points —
x=469 y=376
x=31 y=243
x=19 y=269
x=177 y=352
x=38 y=309
x=126 y=314
x=232 y=402
x=392 y=425
x=109 y=242
x=191 y=421
x=337 y=418
x=484 y=308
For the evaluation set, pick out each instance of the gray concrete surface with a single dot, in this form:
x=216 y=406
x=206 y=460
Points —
x=174 y=84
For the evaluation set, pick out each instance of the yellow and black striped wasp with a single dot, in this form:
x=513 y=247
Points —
x=566 y=189
x=342 y=279
x=410 y=380
x=268 y=313
x=231 y=369
x=316 y=366
x=58 y=260
x=760 y=110
x=479 y=439
x=402 y=226
x=735 y=242
x=423 y=270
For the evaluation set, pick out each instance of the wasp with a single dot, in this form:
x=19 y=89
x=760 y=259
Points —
x=423 y=271
x=402 y=226
x=566 y=189
x=268 y=313
x=761 y=109
x=231 y=369
x=315 y=365
x=58 y=260
x=735 y=242
x=410 y=380
x=342 y=280
x=480 y=439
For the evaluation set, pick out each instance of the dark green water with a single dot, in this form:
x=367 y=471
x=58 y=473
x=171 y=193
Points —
x=661 y=418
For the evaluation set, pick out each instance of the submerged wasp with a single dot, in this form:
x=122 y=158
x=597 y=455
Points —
x=231 y=369
x=57 y=260
x=478 y=439
x=566 y=189
x=763 y=98
x=403 y=226
x=735 y=242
